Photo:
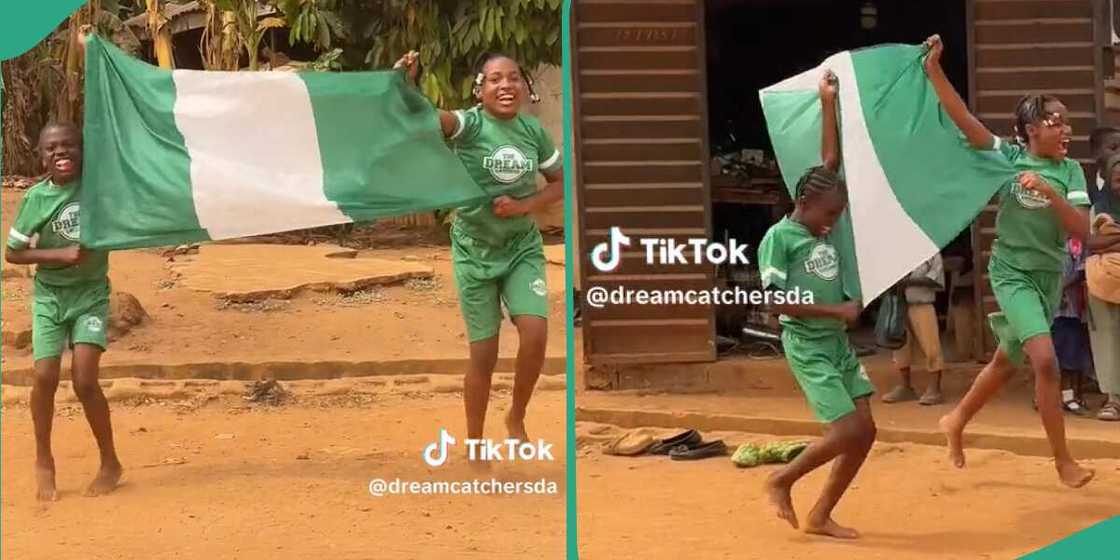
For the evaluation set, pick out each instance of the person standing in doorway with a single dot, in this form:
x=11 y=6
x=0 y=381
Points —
x=922 y=333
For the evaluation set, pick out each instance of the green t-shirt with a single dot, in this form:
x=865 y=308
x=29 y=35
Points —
x=503 y=157
x=790 y=258
x=1029 y=235
x=48 y=219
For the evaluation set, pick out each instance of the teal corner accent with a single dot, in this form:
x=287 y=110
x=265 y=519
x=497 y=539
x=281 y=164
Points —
x=569 y=295
x=1091 y=542
x=24 y=23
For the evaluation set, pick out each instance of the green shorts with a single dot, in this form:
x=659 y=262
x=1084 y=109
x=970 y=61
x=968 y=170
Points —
x=828 y=372
x=488 y=276
x=1027 y=302
x=75 y=314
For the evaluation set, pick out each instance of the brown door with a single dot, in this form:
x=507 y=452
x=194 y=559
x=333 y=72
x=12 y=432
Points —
x=1025 y=46
x=640 y=117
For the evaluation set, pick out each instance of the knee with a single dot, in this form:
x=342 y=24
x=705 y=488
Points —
x=85 y=388
x=860 y=435
x=46 y=379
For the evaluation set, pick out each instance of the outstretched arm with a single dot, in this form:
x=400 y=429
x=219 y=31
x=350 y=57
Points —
x=830 y=140
x=410 y=63
x=978 y=135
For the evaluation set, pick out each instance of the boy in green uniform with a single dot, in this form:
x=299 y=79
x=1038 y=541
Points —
x=71 y=304
x=496 y=248
x=795 y=254
x=1046 y=203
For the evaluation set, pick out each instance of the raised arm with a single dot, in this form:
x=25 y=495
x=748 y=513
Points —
x=830 y=141
x=978 y=135
x=410 y=63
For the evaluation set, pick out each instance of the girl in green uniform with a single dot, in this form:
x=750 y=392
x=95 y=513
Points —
x=496 y=248
x=1046 y=203
x=796 y=254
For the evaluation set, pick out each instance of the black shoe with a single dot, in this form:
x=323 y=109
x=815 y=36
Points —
x=703 y=451
x=689 y=439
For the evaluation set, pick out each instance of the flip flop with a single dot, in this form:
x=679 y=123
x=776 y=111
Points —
x=1110 y=412
x=689 y=439
x=703 y=451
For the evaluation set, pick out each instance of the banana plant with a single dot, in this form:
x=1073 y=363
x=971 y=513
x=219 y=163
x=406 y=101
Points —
x=245 y=23
x=313 y=21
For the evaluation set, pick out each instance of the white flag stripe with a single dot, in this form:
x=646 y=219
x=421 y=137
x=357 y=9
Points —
x=255 y=163
x=880 y=225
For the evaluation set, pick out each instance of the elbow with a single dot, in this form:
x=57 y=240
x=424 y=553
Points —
x=12 y=257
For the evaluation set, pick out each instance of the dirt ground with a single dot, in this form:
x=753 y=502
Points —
x=410 y=320
x=215 y=478
x=229 y=481
x=908 y=502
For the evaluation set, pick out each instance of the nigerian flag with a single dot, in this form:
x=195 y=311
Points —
x=914 y=183
x=180 y=156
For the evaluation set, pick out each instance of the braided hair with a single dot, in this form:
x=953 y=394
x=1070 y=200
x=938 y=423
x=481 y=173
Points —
x=1030 y=110
x=480 y=74
x=817 y=181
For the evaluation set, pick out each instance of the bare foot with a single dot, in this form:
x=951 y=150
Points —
x=781 y=500
x=44 y=479
x=106 y=480
x=1073 y=475
x=953 y=435
x=516 y=427
x=830 y=528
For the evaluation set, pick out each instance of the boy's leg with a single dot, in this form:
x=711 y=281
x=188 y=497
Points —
x=1048 y=396
x=923 y=319
x=903 y=357
x=42 y=416
x=48 y=339
x=984 y=387
x=533 y=334
x=525 y=293
x=476 y=385
x=85 y=372
x=844 y=470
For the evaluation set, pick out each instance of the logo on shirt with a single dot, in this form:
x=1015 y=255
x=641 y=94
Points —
x=507 y=164
x=65 y=225
x=823 y=262
x=94 y=324
x=1031 y=200
x=538 y=287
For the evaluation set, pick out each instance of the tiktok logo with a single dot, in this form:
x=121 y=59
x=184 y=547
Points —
x=440 y=447
x=607 y=256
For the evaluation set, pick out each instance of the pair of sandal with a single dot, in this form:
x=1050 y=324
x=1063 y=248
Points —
x=688 y=446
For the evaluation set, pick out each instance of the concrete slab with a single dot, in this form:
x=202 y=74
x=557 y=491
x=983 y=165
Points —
x=252 y=272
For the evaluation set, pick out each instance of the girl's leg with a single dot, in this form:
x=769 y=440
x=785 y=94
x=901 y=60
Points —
x=85 y=370
x=844 y=470
x=532 y=333
x=986 y=385
x=42 y=416
x=476 y=386
x=848 y=434
x=1047 y=386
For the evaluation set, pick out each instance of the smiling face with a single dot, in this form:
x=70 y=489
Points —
x=60 y=149
x=502 y=87
x=818 y=212
x=1050 y=137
